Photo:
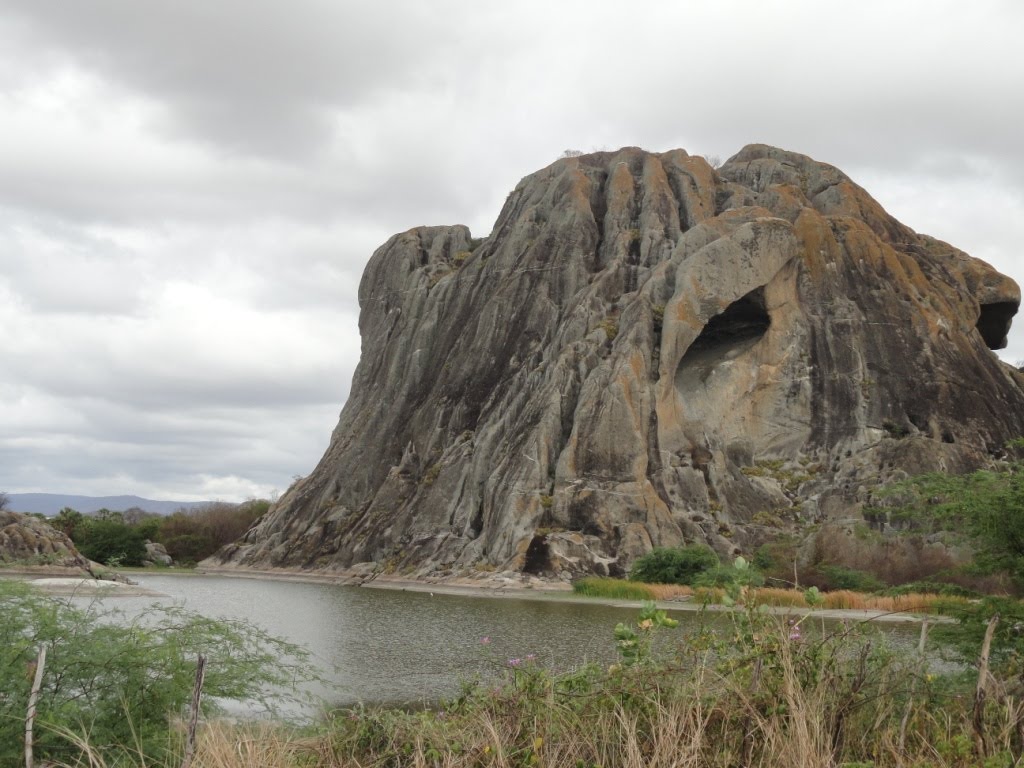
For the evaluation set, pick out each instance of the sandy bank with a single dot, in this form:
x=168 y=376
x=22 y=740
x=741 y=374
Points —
x=532 y=588
x=74 y=585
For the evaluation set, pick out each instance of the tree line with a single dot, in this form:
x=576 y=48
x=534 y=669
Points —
x=188 y=535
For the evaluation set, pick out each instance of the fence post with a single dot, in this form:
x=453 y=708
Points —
x=33 y=697
x=193 y=715
x=979 y=694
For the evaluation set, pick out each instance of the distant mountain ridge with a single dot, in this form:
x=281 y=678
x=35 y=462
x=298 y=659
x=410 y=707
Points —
x=52 y=503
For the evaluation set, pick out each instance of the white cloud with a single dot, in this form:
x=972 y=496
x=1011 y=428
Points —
x=189 y=190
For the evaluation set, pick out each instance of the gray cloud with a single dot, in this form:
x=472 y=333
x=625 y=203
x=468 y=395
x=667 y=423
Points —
x=189 y=191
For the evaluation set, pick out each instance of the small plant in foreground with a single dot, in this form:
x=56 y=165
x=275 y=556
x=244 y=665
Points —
x=634 y=641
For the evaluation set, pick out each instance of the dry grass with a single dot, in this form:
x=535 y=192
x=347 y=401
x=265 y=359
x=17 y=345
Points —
x=790 y=598
x=775 y=596
x=759 y=698
x=669 y=591
x=839 y=599
x=259 y=745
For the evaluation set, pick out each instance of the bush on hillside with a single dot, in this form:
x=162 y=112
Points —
x=728 y=576
x=682 y=565
x=840 y=577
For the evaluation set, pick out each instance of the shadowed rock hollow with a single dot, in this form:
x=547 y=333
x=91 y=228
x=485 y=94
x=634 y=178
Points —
x=647 y=351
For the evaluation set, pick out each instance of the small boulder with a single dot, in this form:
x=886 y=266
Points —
x=156 y=554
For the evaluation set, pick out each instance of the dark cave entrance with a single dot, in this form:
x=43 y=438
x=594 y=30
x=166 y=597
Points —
x=729 y=333
x=538 y=558
x=994 y=322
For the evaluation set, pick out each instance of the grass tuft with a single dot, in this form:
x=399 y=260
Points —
x=615 y=589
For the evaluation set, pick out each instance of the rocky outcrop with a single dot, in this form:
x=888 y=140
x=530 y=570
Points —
x=647 y=351
x=26 y=540
x=156 y=554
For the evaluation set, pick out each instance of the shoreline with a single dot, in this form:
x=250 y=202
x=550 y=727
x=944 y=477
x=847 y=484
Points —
x=550 y=592
x=51 y=580
x=69 y=582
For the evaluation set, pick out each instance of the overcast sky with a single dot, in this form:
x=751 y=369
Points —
x=189 y=189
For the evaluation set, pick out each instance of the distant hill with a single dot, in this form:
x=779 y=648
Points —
x=52 y=503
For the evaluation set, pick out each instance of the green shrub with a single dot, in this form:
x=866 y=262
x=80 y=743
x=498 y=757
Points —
x=727 y=575
x=840 y=577
x=610 y=326
x=664 y=565
x=110 y=541
x=115 y=682
x=931 y=588
x=195 y=534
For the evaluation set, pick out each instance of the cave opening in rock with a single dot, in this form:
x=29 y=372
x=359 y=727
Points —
x=538 y=558
x=994 y=322
x=732 y=331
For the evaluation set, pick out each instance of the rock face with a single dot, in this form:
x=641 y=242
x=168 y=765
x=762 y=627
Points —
x=647 y=351
x=156 y=554
x=27 y=540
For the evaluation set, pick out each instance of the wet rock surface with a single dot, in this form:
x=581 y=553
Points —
x=647 y=351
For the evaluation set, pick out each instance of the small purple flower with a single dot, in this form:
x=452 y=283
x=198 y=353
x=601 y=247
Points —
x=515 y=662
x=485 y=641
x=794 y=630
x=531 y=657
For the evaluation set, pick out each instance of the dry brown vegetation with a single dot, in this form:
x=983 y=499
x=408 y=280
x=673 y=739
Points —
x=757 y=694
x=793 y=598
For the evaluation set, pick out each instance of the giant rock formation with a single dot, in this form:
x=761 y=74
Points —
x=648 y=351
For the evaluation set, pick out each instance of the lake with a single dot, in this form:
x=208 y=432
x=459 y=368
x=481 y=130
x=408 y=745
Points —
x=384 y=646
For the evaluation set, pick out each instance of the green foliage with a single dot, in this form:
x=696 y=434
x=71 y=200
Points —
x=986 y=506
x=194 y=534
x=431 y=475
x=189 y=548
x=775 y=559
x=840 y=577
x=633 y=641
x=610 y=326
x=931 y=588
x=966 y=635
x=894 y=430
x=617 y=589
x=658 y=313
x=664 y=565
x=750 y=690
x=729 y=575
x=118 y=681
x=67 y=521
x=108 y=539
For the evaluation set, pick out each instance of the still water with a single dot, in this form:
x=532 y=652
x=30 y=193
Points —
x=389 y=646
x=381 y=646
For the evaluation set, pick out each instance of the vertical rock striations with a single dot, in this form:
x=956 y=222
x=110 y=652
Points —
x=647 y=351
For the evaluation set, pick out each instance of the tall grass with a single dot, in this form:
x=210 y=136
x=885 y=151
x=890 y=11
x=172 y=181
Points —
x=757 y=695
x=617 y=589
x=772 y=596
